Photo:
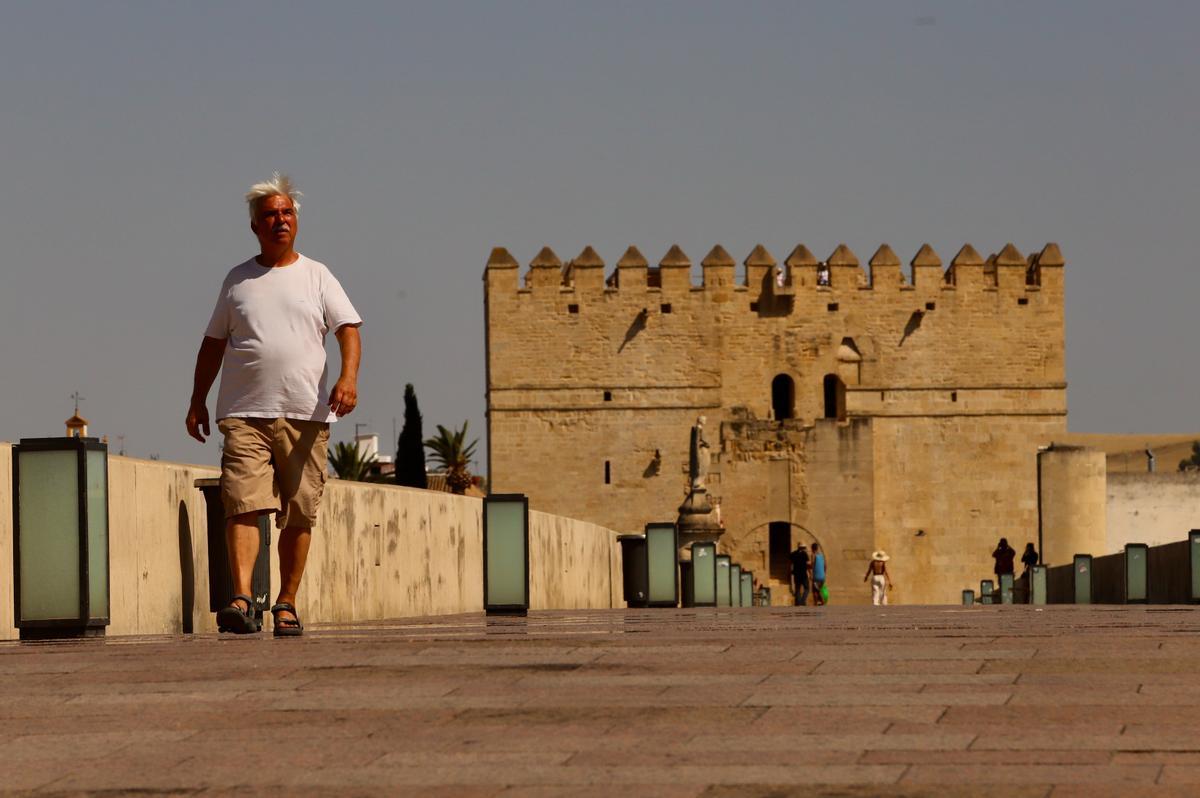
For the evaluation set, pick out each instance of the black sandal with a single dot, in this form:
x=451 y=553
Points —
x=287 y=627
x=234 y=619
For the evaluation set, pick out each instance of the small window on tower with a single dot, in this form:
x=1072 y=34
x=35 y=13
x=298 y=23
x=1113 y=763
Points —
x=832 y=307
x=1024 y=300
x=608 y=396
x=665 y=307
x=607 y=472
x=930 y=305
x=572 y=308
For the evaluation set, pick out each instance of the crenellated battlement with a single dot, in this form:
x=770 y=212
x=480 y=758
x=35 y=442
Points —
x=1007 y=270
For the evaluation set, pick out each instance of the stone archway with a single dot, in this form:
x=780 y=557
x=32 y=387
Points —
x=796 y=533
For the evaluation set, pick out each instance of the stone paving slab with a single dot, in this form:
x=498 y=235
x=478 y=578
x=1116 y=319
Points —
x=846 y=701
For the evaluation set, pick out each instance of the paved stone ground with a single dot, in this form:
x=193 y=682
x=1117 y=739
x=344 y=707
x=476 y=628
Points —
x=848 y=701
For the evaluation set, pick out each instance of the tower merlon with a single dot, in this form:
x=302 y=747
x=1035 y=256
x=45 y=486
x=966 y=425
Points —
x=1010 y=266
x=759 y=265
x=718 y=268
x=585 y=272
x=926 y=268
x=631 y=271
x=801 y=267
x=885 y=268
x=966 y=269
x=501 y=274
x=545 y=271
x=675 y=271
x=844 y=270
x=1051 y=259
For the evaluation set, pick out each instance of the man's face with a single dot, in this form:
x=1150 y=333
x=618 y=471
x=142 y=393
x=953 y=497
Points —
x=275 y=222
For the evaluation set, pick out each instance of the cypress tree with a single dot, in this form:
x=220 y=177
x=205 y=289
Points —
x=410 y=449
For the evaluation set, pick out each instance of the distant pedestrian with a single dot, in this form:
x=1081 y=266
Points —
x=820 y=593
x=1030 y=557
x=881 y=580
x=1004 y=555
x=800 y=562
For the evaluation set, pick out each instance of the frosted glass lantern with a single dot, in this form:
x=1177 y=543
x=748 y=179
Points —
x=506 y=554
x=724 y=565
x=662 y=553
x=60 y=537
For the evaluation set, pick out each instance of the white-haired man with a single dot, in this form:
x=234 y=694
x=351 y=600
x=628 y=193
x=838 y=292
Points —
x=267 y=338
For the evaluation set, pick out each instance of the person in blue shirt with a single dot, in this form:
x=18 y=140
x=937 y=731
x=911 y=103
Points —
x=818 y=574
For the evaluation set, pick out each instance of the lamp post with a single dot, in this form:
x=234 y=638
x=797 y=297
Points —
x=60 y=537
x=506 y=554
x=662 y=554
x=703 y=585
x=724 y=565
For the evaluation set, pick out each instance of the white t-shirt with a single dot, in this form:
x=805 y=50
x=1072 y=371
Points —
x=275 y=319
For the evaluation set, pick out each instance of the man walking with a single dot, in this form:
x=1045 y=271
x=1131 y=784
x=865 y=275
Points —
x=267 y=338
x=799 y=559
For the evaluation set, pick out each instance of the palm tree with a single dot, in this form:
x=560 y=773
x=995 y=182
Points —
x=348 y=462
x=450 y=450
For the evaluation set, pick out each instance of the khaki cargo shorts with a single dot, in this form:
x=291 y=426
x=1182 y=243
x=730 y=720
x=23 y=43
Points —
x=275 y=464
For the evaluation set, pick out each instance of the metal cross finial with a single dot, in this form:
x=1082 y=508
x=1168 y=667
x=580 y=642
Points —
x=78 y=398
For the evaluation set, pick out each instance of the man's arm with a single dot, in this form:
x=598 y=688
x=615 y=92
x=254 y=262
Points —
x=208 y=365
x=344 y=396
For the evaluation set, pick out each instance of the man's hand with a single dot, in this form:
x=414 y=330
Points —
x=344 y=396
x=197 y=421
x=208 y=364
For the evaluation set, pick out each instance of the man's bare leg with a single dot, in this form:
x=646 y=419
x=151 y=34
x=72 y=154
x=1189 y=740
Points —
x=293 y=554
x=241 y=540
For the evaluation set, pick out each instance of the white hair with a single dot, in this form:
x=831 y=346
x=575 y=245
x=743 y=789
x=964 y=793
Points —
x=278 y=186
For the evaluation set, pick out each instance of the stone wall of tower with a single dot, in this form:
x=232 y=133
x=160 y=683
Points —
x=951 y=377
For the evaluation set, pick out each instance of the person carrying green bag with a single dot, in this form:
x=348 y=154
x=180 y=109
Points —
x=820 y=592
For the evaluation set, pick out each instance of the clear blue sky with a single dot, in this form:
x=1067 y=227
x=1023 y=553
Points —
x=425 y=134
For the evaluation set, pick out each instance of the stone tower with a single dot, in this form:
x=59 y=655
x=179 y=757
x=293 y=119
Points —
x=862 y=410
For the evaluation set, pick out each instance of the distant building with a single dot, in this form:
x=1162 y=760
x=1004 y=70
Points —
x=864 y=409
x=77 y=426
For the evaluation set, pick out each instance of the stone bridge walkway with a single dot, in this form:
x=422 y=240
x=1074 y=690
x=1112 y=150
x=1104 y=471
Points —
x=847 y=701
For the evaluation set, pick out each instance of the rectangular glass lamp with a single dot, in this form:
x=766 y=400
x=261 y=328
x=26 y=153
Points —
x=506 y=554
x=1082 y=563
x=704 y=574
x=723 y=566
x=1038 y=588
x=1194 y=565
x=1137 y=578
x=747 y=589
x=735 y=586
x=1006 y=588
x=662 y=554
x=60 y=537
